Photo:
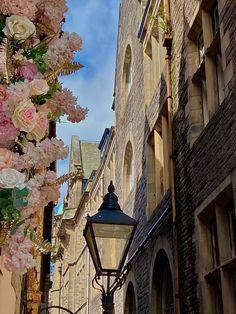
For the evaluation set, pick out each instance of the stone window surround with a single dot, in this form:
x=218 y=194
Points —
x=193 y=109
x=153 y=58
x=157 y=153
x=161 y=244
x=130 y=279
x=227 y=258
x=128 y=169
x=127 y=76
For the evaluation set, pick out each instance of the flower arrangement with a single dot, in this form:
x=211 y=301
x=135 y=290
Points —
x=34 y=52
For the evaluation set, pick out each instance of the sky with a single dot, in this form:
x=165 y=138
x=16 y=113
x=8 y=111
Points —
x=96 y=21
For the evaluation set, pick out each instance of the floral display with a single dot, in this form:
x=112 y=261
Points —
x=34 y=52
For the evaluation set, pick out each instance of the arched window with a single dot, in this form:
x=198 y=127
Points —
x=127 y=73
x=128 y=174
x=130 y=304
x=162 y=286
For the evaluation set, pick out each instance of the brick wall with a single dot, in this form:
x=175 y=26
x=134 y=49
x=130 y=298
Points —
x=200 y=169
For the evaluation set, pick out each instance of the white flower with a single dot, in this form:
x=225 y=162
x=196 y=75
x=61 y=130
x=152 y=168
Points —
x=11 y=178
x=19 y=27
x=39 y=87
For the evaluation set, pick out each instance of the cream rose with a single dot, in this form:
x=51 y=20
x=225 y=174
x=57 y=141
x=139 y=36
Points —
x=25 y=116
x=6 y=158
x=11 y=178
x=40 y=129
x=39 y=87
x=19 y=27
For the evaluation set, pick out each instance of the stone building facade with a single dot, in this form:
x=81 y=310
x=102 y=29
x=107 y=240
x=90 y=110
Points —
x=183 y=263
x=203 y=76
x=73 y=270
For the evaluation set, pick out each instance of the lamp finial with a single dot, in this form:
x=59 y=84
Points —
x=111 y=188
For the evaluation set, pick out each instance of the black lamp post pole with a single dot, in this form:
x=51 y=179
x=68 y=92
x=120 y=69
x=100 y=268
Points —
x=108 y=303
x=108 y=299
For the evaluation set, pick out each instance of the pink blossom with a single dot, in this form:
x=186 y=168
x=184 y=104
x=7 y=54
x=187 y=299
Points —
x=62 y=49
x=6 y=158
x=29 y=71
x=41 y=155
x=51 y=13
x=64 y=101
x=17 y=250
x=16 y=93
x=3 y=93
x=19 y=7
x=8 y=131
x=75 y=42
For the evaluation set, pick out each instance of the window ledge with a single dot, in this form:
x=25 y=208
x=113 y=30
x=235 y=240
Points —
x=230 y=264
x=213 y=274
x=200 y=73
x=214 y=47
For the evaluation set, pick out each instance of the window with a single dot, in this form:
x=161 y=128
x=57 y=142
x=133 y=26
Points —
x=162 y=286
x=130 y=306
x=127 y=74
x=157 y=157
x=153 y=51
x=217 y=259
x=206 y=85
x=128 y=175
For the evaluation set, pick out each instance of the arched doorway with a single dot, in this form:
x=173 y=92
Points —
x=130 y=304
x=162 y=286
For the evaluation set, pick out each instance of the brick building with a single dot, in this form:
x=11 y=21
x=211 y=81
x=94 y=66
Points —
x=202 y=94
x=175 y=156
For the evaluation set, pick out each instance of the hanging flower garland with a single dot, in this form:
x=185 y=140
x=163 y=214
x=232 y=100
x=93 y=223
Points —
x=33 y=53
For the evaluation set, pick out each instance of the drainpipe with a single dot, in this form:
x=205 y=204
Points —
x=168 y=44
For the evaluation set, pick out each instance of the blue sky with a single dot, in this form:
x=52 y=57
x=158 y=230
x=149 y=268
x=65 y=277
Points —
x=96 y=21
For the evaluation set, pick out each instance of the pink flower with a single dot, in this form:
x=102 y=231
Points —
x=6 y=158
x=51 y=13
x=17 y=251
x=3 y=93
x=39 y=87
x=29 y=71
x=75 y=42
x=64 y=101
x=19 y=7
x=25 y=116
x=8 y=131
x=40 y=129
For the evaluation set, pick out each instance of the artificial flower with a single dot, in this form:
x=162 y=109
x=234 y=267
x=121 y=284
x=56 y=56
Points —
x=19 y=27
x=17 y=251
x=28 y=71
x=39 y=87
x=11 y=178
x=8 y=132
x=6 y=158
x=25 y=116
x=19 y=7
x=40 y=129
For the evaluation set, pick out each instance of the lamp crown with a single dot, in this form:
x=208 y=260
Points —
x=110 y=200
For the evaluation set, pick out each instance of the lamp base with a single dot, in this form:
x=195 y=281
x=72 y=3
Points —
x=108 y=303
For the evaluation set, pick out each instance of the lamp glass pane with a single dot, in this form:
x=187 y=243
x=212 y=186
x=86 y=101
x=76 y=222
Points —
x=111 y=241
x=91 y=247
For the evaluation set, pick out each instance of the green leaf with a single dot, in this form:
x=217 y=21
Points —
x=5 y=193
x=53 y=88
x=4 y=202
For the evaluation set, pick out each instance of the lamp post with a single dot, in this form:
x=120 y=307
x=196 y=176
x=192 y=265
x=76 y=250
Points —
x=109 y=234
x=60 y=273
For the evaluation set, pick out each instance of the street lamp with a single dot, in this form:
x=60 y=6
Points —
x=109 y=234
